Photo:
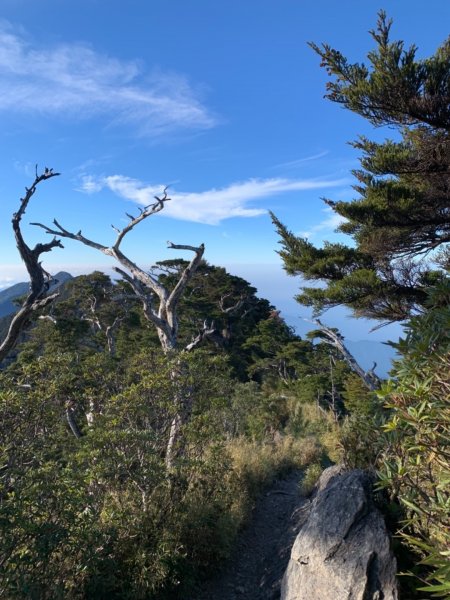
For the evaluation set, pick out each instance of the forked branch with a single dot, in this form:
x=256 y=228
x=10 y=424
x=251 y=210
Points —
x=186 y=273
x=209 y=332
x=145 y=285
x=370 y=379
x=39 y=279
x=145 y=212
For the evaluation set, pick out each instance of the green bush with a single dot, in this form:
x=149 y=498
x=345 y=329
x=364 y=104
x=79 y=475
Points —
x=416 y=464
x=100 y=516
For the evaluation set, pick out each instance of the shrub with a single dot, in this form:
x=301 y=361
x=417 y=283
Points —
x=416 y=464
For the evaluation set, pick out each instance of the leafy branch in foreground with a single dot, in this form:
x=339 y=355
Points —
x=416 y=462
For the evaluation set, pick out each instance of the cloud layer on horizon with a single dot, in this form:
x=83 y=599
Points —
x=212 y=206
x=73 y=80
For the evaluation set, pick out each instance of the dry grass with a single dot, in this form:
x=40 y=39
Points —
x=312 y=474
x=257 y=464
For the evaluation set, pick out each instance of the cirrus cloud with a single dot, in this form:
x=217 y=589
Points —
x=74 y=81
x=211 y=206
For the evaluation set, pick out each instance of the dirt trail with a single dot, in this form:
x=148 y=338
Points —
x=263 y=547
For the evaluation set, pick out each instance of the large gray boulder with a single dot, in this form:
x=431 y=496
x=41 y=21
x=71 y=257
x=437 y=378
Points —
x=343 y=550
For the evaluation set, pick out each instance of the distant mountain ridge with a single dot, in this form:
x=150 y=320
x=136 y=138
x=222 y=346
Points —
x=8 y=295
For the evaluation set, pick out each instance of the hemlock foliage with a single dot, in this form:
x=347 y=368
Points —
x=400 y=221
x=395 y=268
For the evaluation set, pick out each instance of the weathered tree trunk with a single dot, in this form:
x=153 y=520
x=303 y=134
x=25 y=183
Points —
x=70 y=416
x=370 y=379
x=183 y=401
x=39 y=278
x=148 y=288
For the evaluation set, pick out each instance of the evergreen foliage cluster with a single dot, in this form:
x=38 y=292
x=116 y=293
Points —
x=400 y=223
x=395 y=268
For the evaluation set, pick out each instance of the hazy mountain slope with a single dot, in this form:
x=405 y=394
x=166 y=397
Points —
x=7 y=296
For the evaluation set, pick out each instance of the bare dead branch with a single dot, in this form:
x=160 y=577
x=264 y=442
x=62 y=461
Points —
x=48 y=318
x=79 y=237
x=20 y=321
x=208 y=332
x=149 y=210
x=183 y=247
x=109 y=332
x=186 y=274
x=39 y=278
x=370 y=379
x=231 y=309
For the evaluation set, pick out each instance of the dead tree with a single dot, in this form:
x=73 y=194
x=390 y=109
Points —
x=335 y=339
x=159 y=305
x=39 y=279
x=146 y=286
x=96 y=324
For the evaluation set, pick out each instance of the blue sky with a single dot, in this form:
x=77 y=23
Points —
x=222 y=101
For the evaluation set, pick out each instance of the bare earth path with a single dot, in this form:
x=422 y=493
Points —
x=262 y=551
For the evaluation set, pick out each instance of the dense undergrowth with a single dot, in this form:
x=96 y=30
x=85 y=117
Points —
x=403 y=434
x=89 y=507
x=100 y=515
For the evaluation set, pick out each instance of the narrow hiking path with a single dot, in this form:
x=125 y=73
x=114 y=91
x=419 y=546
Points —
x=262 y=551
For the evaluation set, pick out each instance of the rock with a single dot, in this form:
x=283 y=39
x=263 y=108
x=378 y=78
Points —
x=343 y=550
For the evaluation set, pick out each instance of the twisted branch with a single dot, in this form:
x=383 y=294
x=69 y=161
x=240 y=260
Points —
x=39 y=278
x=370 y=379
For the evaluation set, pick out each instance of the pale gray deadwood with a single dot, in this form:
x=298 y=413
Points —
x=159 y=305
x=370 y=379
x=39 y=279
x=145 y=285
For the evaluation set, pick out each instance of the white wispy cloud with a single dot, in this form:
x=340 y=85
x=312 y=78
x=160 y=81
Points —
x=300 y=161
x=90 y=184
x=211 y=206
x=73 y=80
x=330 y=223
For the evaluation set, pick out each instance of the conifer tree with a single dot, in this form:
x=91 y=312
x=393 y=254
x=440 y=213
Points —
x=400 y=221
